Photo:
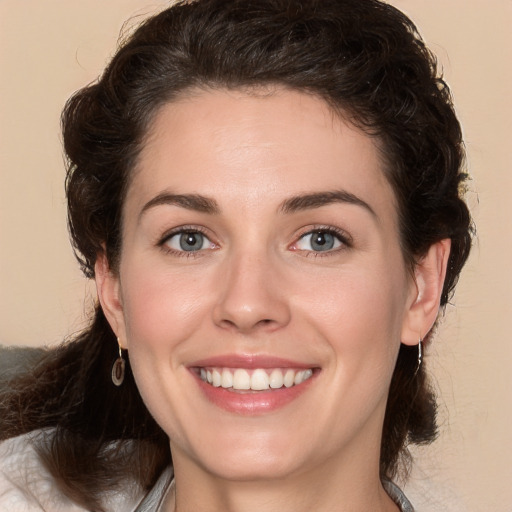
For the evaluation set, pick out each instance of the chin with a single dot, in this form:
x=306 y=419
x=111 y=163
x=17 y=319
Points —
x=253 y=469
x=261 y=459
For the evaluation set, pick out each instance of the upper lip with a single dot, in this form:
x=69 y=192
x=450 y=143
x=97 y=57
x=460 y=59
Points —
x=250 y=361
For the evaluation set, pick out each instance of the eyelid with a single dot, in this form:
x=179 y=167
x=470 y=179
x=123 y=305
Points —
x=343 y=237
x=162 y=242
x=186 y=228
x=340 y=234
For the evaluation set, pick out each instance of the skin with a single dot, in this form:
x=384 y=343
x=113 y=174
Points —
x=257 y=287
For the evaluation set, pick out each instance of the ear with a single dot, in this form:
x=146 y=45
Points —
x=429 y=274
x=109 y=294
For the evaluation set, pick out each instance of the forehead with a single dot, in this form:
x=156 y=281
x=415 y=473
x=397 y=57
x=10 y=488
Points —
x=256 y=147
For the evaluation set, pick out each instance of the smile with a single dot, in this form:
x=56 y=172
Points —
x=259 y=379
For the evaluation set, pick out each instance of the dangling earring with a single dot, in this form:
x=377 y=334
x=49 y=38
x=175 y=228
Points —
x=420 y=356
x=118 y=367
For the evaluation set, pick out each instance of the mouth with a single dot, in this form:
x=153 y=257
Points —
x=253 y=379
x=253 y=385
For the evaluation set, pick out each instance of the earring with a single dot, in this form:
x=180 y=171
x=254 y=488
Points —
x=118 y=367
x=420 y=356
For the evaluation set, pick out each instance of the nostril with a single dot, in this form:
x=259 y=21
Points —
x=246 y=309
x=227 y=323
x=265 y=323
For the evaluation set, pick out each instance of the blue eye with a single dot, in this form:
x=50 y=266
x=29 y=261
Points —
x=319 y=241
x=188 y=241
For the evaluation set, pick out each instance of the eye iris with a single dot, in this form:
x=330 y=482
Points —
x=191 y=241
x=322 y=241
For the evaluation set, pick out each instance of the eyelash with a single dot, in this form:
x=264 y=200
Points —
x=344 y=239
x=178 y=231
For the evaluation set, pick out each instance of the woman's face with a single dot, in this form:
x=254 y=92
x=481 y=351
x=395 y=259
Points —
x=262 y=293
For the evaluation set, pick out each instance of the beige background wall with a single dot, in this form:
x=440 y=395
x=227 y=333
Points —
x=50 y=48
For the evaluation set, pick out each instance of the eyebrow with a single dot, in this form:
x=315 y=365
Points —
x=194 y=202
x=319 y=199
x=294 y=204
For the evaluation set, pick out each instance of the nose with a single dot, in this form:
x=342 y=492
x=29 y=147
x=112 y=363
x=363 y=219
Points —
x=252 y=296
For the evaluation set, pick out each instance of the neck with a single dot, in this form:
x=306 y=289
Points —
x=330 y=489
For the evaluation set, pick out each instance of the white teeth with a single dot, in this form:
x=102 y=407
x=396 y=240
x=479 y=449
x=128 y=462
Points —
x=241 y=379
x=289 y=378
x=227 y=379
x=302 y=376
x=216 y=378
x=257 y=380
x=276 y=379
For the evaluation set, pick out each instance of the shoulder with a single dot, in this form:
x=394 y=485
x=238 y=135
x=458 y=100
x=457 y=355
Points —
x=27 y=486
x=429 y=489
x=397 y=496
x=433 y=495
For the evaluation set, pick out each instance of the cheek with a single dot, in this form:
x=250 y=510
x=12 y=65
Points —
x=162 y=311
x=358 y=298
x=161 y=308
x=360 y=314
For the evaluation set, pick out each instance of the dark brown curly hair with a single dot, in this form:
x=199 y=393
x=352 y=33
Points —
x=367 y=61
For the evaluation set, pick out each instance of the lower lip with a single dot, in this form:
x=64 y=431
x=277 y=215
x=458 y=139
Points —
x=251 y=403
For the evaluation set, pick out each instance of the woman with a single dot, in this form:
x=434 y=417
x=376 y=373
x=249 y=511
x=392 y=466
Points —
x=268 y=195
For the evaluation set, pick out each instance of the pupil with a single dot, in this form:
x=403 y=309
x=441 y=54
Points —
x=191 y=241
x=321 y=241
